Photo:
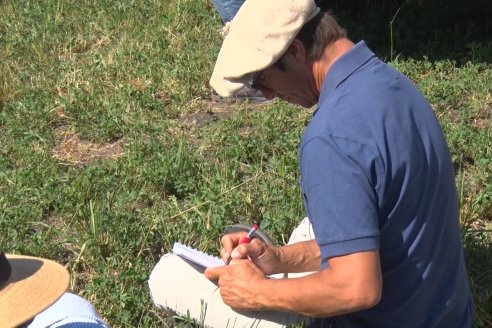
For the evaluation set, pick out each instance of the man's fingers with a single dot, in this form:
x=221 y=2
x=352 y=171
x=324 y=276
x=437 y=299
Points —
x=214 y=273
x=254 y=249
x=233 y=249
x=225 y=254
x=229 y=242
x=257 y=248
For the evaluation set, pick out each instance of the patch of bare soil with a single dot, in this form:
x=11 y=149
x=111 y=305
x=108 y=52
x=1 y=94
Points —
x=73 y=150
x=484 y=121
x=204 y=113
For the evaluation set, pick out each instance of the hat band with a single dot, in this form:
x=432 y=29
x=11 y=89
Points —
x=5 y=269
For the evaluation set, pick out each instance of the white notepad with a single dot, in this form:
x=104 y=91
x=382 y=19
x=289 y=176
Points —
x=203 y=259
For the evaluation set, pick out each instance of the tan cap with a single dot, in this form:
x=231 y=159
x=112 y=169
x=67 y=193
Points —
x=258 y=36
x=28 y=285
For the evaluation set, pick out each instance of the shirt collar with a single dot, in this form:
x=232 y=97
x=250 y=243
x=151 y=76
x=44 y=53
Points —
x=344 y=67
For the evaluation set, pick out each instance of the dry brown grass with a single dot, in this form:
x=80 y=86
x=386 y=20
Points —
x=73 y=150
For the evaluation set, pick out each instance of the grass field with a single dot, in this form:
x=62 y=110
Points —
x=110 y=149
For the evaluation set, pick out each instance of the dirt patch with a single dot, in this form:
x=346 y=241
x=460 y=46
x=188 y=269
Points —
x=73 y=150
x=481 y=123
x=202 y=112
x=211 y=114
x=484 y=120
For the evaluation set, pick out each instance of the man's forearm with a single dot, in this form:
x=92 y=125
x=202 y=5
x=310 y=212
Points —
x=299 y=257
x=351 y=283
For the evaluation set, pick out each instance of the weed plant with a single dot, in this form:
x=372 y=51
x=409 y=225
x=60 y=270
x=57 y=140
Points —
x=111 y=150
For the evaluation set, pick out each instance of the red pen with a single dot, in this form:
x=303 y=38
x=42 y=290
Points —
x=247 y=239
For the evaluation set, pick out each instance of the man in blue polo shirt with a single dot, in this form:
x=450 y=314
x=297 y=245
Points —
x=377 y=174
x=377 y=181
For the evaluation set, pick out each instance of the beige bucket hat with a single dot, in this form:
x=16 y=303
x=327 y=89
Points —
x=28 y=285
x=258 y=36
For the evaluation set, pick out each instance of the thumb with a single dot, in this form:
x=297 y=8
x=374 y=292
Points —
x=254 y=249
x=213 y=273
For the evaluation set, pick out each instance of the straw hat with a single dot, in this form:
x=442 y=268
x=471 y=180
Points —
x=28 y=285
x=257 y=37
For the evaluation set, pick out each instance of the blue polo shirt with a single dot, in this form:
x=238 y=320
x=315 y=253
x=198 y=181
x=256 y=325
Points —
x=376 y=173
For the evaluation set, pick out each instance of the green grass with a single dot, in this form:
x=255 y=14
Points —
x=110 y=150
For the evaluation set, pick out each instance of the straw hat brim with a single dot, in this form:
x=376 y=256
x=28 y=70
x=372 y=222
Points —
x=34 y=285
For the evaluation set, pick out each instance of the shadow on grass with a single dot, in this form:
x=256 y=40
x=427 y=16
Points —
x=437 y=29
x=478 y=252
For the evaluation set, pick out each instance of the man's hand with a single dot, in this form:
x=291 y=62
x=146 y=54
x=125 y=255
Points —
x=238 y=283
x=350 y=283
x=265 y=256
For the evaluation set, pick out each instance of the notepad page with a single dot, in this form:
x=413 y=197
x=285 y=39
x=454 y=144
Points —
x=203 y=259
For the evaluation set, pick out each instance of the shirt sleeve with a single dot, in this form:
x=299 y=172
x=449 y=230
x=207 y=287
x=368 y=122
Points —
x=338 y=179
x=70 y=311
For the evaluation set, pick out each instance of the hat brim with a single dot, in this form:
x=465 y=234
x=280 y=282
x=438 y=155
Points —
x=34 y=285
x=260 y=33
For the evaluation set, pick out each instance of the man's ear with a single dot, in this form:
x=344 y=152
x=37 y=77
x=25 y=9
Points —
x=298 y=50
